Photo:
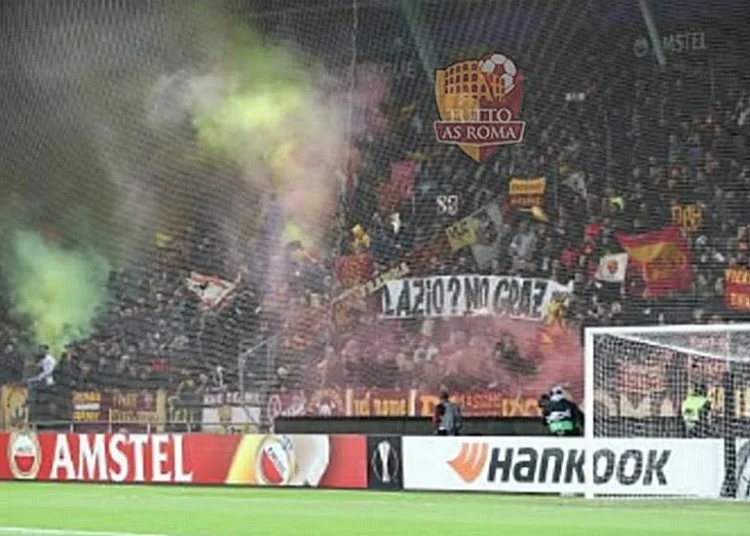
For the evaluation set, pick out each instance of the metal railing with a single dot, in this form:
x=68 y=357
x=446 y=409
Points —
x=153 y=427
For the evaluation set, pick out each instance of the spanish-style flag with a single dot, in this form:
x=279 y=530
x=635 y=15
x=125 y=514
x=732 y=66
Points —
x=661 y=258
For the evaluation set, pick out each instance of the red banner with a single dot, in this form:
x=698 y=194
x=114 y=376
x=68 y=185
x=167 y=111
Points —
x=484 y=404
x=375 y=402
x=661 y=258
x=737 y=289
x=133 y=410
x=380 y=402
x=262 y=460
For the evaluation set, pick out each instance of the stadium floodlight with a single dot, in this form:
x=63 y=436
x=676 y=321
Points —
x=636 y=379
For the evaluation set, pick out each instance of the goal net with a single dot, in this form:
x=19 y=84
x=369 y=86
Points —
x=647 y=437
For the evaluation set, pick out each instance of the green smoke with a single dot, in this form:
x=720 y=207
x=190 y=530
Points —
x=263 y=88
x=55 y=292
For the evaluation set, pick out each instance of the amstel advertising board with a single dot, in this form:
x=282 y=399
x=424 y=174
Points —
x=262 y=460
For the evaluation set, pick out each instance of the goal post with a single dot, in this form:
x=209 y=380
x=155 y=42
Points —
x=636 y=379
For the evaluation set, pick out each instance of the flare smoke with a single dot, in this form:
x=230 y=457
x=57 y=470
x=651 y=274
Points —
x=263 y=109
x=55 y=291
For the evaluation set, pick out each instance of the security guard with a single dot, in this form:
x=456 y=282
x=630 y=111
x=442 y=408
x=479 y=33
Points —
x=696 y=413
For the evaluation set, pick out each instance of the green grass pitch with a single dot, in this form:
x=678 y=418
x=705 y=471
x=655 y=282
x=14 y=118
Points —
x=28 y=509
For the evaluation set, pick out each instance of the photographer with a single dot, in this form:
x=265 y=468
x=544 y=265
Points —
x=562 y=416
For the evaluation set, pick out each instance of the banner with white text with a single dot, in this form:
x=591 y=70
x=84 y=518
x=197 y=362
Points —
x=445 y=296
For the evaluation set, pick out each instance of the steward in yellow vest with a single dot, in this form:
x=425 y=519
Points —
x=696 y=413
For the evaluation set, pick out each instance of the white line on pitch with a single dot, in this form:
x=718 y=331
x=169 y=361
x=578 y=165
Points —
x=30 y=531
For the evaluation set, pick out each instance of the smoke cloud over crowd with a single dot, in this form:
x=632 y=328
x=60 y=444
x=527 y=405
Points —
x=126 y=123
x=263 y=109
x=56 y=291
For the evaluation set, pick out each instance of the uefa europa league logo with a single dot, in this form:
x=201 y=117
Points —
x=384 y=454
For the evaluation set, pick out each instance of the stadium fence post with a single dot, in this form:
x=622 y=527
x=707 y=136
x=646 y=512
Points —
x=588 y=413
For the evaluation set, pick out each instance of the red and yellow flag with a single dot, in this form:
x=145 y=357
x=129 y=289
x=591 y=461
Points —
x=661 y=258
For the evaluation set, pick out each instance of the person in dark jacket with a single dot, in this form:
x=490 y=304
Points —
x=544 y=407
x=563 y=416
x=446 y=420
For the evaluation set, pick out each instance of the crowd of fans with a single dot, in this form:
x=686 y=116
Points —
x=639 y=140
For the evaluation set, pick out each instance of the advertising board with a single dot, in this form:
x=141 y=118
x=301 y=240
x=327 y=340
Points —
x=634 y=466
x=262 y=460
x=385 y=471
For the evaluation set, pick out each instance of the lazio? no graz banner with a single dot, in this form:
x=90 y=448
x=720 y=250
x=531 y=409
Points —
x=440 y=296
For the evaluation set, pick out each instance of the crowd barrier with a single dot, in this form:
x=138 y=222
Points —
x=144 y=408
x=631 y=466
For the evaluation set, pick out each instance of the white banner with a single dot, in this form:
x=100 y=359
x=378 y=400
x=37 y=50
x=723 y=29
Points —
x=612 y=268
x=489 y=235
x=633 y=466
x=518 y=297
x=482 y=231
x=231 y=410
x=211 y=290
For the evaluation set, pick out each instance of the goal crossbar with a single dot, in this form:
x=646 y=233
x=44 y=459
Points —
x=684 y=349
x=671 y=329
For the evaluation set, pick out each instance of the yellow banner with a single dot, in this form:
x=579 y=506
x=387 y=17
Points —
x=527 y=192
x=688 y=217
x=463 y=233
x=163 y=240
x=13 y=412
